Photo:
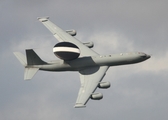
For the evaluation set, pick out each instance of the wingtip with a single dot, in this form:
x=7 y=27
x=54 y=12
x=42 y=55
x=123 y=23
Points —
x=79 y=105
x=43 y=19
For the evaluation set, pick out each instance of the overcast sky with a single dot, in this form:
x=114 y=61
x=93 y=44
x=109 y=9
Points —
x=138 y=92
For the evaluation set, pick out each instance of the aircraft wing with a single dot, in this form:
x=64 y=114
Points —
x=90 y=78
x=63 y=36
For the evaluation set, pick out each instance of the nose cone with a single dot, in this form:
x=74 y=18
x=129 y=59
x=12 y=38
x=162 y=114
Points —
x=145 y=56
x=148 y=56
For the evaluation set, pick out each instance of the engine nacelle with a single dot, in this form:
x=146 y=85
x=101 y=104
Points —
x=71 y=32
x=89 y=44
x=66 y=51
x=96 y=96
x=104 y=85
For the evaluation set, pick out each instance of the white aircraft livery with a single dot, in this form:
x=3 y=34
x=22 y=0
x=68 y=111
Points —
x=77 y=56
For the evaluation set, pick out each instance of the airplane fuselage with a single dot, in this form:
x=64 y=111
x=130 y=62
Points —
x=77 y=56
x=99 y=60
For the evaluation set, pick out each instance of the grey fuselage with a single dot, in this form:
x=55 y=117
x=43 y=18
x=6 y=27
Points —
x=91 y=61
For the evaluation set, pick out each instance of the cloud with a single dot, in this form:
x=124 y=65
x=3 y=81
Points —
x=156 y=64
x=116 y=42
x=41 y=45
x=138 y=91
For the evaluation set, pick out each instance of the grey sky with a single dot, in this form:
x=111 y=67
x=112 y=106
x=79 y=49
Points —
x=138 y=91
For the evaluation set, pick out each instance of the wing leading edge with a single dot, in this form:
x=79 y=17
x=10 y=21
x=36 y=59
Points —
x=90 y=78
x=63 y=36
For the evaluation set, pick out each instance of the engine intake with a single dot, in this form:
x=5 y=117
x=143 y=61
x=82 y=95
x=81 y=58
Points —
x=96 y=96
x=104 y=85
x=71 y=32
x=89 y=44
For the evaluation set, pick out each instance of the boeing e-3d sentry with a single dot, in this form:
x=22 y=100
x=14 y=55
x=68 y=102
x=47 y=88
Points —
x=77 y=56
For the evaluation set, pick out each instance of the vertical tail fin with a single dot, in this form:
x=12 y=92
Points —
x=28 y=61
x=33 y=58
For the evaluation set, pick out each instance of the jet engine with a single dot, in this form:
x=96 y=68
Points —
x=66 y=51
x=104 y=85
x=89 y=44
x=96 y=96
x=71 y=32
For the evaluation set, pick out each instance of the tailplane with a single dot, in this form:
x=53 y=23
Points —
x=30 y=72
x=21 y=58
x=28 y=62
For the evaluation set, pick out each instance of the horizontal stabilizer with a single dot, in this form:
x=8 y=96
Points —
x=29 y=73
x=21 y=58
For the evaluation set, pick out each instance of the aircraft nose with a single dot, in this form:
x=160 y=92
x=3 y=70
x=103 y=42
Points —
x=148 y=56
x=143 y=55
